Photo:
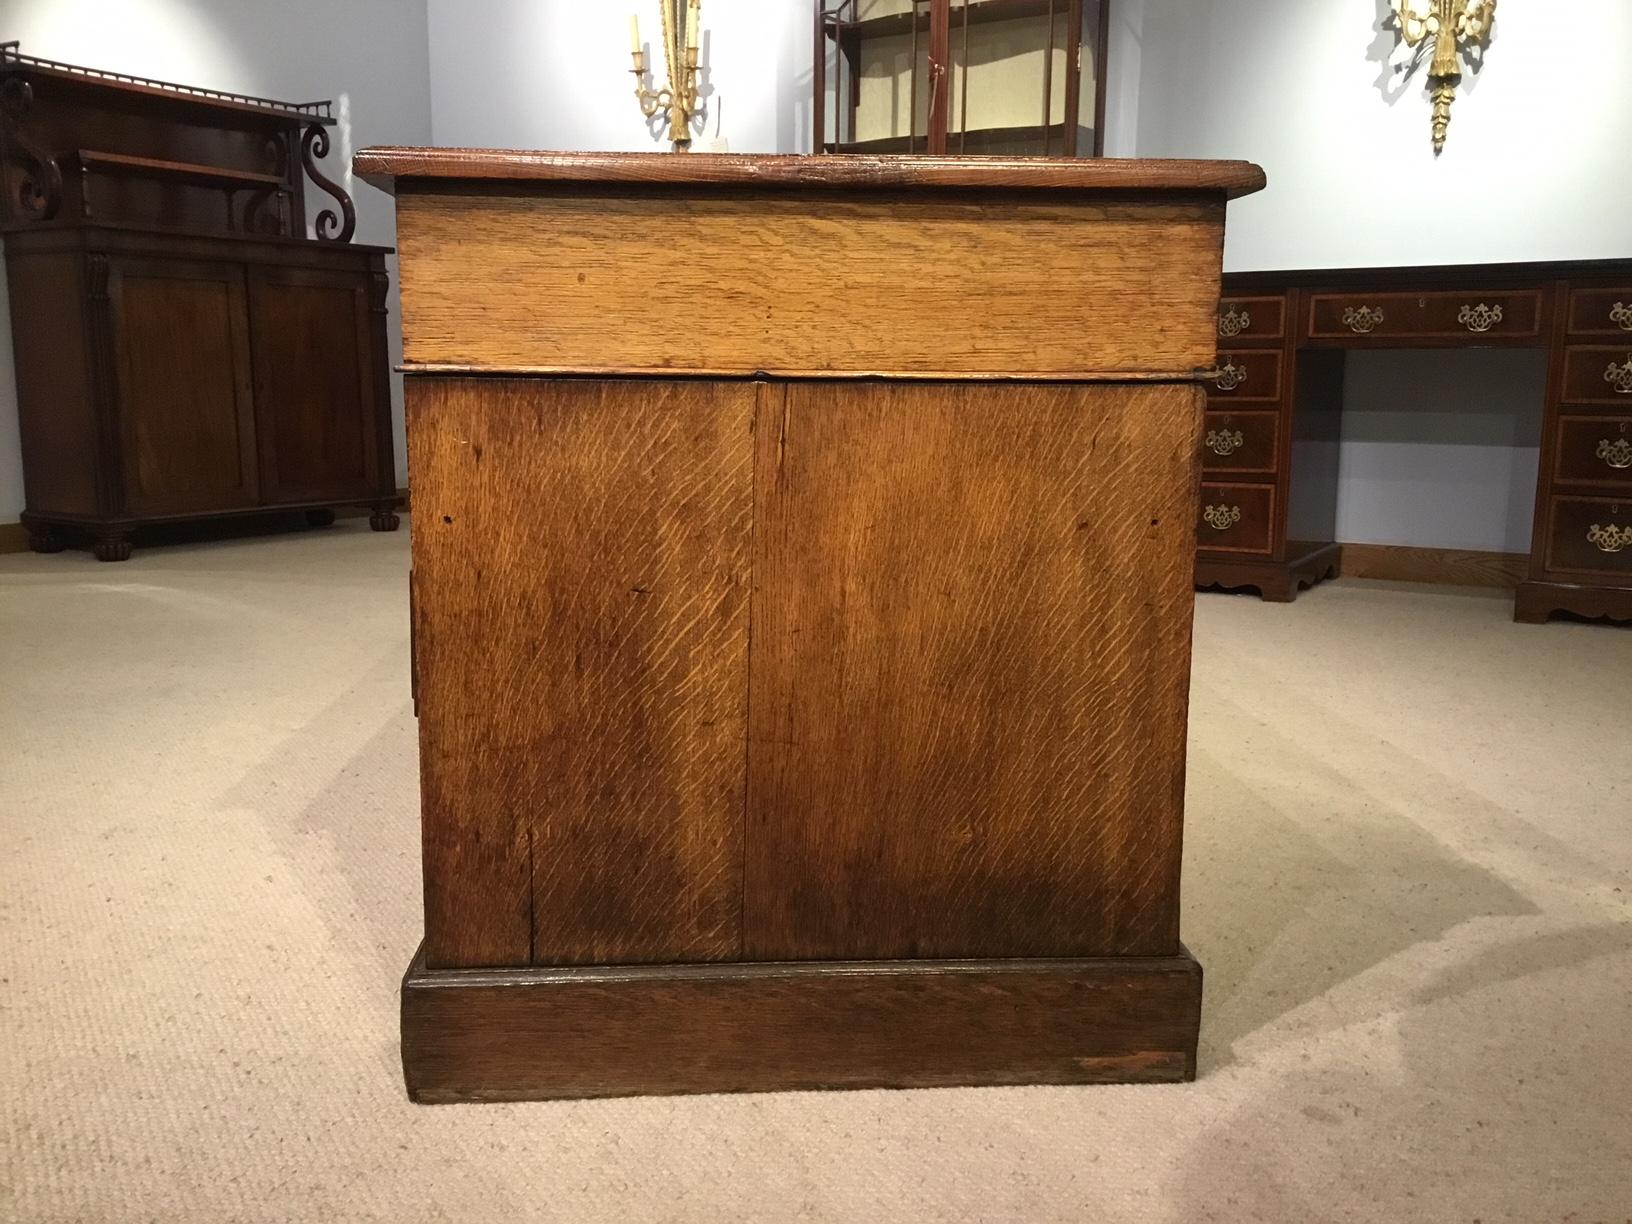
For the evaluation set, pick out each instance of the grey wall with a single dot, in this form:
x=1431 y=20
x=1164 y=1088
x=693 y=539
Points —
x=1438 y=450
x=370 y=56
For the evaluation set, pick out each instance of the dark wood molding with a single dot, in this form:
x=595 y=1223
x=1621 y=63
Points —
x=1275 y=581
x=381 y=166
x=537 y=1033
x=1438 y=566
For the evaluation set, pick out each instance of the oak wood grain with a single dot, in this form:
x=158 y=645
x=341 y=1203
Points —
x=505 y=1035
x=580 y=568
x=738 y=282
x=969 y=669
x=382 y=165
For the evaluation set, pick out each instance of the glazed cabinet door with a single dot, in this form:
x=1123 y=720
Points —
x=182 y=371
x=317 y=402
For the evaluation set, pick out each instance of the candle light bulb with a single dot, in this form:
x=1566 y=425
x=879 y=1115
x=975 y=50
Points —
x=634 y=33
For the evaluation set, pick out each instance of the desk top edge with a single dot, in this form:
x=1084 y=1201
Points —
x=384 y=165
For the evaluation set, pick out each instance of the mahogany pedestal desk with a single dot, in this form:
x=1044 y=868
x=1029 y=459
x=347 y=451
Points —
x=801 y=592
x=1268 y=513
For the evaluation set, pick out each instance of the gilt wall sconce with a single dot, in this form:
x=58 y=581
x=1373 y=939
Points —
x=1455 y=27
x=682 y=24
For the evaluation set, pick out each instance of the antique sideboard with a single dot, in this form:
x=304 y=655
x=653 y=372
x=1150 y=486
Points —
x=802 y=699
x=1269 y=452
x=183 y=350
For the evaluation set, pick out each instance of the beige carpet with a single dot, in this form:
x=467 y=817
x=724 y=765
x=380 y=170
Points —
x=1409 y=869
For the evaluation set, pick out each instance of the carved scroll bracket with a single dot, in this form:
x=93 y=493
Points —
x=40 y=192
x=313 y=145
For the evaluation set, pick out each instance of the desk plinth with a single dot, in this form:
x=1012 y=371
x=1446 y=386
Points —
x=802 y=598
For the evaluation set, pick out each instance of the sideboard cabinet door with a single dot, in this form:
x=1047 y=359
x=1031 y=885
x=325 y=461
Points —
x=314 y=384
x=181 y=351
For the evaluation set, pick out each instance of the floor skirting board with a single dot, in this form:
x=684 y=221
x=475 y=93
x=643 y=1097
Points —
x=1444 y=566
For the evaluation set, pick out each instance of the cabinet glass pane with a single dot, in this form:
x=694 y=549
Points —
x=999 y=77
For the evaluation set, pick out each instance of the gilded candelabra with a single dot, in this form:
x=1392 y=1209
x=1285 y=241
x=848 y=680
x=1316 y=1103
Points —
x=1446 y=22
x=681 y=26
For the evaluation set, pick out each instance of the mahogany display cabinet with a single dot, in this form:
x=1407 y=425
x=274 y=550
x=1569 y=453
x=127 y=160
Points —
x=183 y=350
x=987 y=77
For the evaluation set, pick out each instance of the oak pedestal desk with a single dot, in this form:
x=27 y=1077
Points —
x=802 y=684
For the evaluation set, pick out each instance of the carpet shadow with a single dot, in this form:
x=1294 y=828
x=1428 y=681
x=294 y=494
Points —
x=1282 y=904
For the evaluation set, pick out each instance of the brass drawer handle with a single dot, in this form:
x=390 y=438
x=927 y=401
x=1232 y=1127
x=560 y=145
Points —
x=1233 y=322
x=1611 y=539
x=1226 y=442
x=1362 y=318
x=1222 y=518
x=1230 y=376
x=1620 y=314
x=1620 y=376
x=1618 y=454
x=1480 y=318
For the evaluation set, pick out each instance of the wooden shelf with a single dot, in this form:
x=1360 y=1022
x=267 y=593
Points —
x=981 y=12
x=980 y=140
x=174 y=171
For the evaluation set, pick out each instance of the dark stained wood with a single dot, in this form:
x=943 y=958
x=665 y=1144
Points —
x=186 y=416
x=310 y=331
x=1246 y=375
x=1570 y=525
x=1275 y=581
x=1407 y=317
x=182 y=349
x=162 y=375
x=82 y=145
x=1575 y=310
x=1536 y=602
x=1595 y=311
x=1244 y=320
x=1594 y=452
x=1241 y=443
x=1587 y=375
x=382 y=165
x=1236 y=517
x=521 y=1034
x=1441 y=566
x=977 y=599
x=56 y=380
x=581 y=617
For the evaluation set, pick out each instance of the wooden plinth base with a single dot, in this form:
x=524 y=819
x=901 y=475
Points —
x=1534 y=602
x=520 y=1034
x=1276 y=581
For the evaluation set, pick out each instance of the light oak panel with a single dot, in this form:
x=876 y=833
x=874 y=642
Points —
x=729 y=281
x=969 y=669
x=580 y=571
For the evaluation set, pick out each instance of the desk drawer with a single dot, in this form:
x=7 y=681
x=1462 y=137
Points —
x=1241 y=442
x=1246 y=374
x=1598 y=375
x=1245 y=320
x=1589 y=535
x=1236 y=518
x=1425 y=316
x=1592 y=451
x=1601 y=312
